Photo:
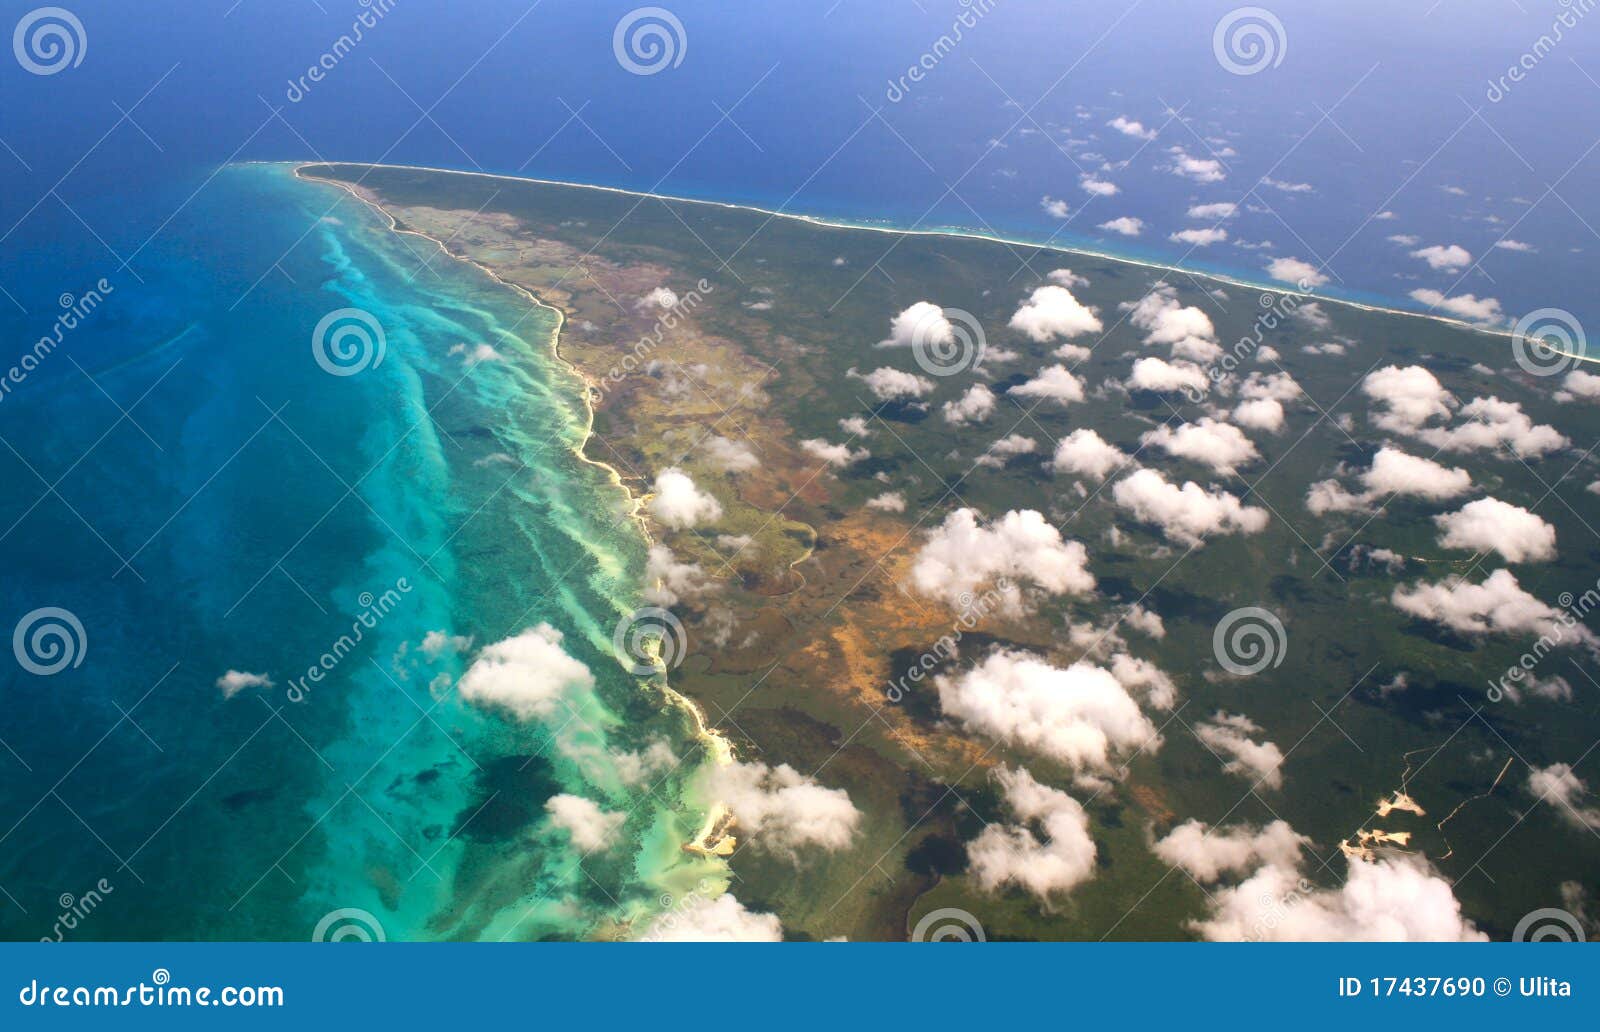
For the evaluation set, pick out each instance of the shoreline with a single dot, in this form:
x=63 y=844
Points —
x=718 y=747
x=827 y=223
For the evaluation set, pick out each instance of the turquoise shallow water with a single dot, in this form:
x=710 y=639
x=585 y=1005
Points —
x=254 y=512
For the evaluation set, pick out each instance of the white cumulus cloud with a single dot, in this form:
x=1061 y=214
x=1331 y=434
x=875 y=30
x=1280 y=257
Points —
x=1199 y=237
x=589 y=827
x=1391 y=900
x=836 y=455
x=1187 y=514
x=1297 y=271
x=1260 y=414
x=1201 y=170
x=1488 y=424
x=1080 y=716
x=1470 y=307
x=1163 y=377
x=235 y=681
x=923 y=321
x=527 y=676
x=1210 y=853
x=1496 y=606
x=962 y=556
x=1096 y=187
x=1051 y=861
x=890 y=384
x=1221 y=446
x=1408 y=396
x=1558 y=782
x=730 y=456
x=1392 y=473
x=1124 y=225
x=678 y=503
x=782 y=809
x=1087 y=454
x=1489 y=524
x=1052 y=312
x=1054 y=383
x=1229 y=735
x=976 y=405
x=1445 y=257
x=1128 y=127
x=722 y=919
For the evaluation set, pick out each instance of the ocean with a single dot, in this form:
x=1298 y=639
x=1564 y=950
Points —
x=184 y=477
x=212 y=496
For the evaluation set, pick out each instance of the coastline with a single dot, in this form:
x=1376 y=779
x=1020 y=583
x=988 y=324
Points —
x=714 y=830
x=827 y=223
x=395 y=195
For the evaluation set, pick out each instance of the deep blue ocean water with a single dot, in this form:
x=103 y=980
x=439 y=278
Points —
x=183 y=477
x=204 y=497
